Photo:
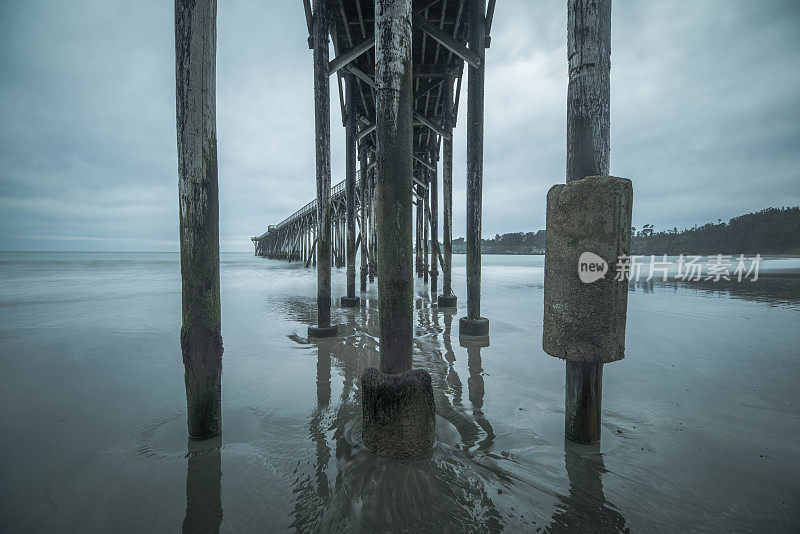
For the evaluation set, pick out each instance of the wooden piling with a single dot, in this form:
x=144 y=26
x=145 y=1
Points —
x=322 y=130
x=473 y=323
x=423 y=173
x=583 y=401
x=398 y=408
x=201 y=337
x=314 y=247
x=447 y=298
x=373 y=225
x=418 y=232
x=393 y=78
x=588 y=149
x=434 y=207
x=364 y=194
x=351 y=300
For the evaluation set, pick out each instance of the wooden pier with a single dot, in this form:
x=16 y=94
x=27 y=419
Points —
x=440 y=54
x=399 y=68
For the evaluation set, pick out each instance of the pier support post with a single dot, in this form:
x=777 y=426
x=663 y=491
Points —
x=584 y=321
x=433 y=187
x=398 y=407
x=351 y=300
x=201 y=336
x=373 y=226
x=363 y=195
x=473 y=324
x=315 y=245
x=418 y=231
x=423 y=174
x=322 y=129
x=447 y=299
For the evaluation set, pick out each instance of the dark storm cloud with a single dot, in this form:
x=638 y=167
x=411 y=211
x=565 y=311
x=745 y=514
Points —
x=705 y=117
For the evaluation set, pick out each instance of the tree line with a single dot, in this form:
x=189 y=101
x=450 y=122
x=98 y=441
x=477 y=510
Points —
x=513 y=243
x=769 y=231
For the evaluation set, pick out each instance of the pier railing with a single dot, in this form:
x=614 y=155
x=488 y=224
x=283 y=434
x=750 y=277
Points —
x=337 y=191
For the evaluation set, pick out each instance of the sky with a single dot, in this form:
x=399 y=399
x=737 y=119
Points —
x=705 y=117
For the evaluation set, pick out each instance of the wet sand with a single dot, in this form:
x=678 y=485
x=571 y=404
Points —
x=700 y=421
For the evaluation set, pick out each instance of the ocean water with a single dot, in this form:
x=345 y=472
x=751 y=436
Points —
x=700 y=421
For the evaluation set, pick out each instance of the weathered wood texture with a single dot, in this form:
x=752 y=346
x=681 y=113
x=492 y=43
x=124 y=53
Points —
x=434 y=207
x=588 y=153
x=201 y=338
x=363 y=212
x=423 y=173
x=447 y=188
x=583 y=401
x=418 y=233
x=393 y=69
x=373 y=218
x=477 y=36
x=322 y=129
x=589 y=91
x=350 y=182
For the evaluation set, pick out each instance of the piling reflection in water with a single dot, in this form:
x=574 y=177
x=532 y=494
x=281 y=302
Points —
x=776 y=290
x=435 y=491
x=203 y=486
x=585 y=508
x=131 y=429
x=463 y=483
x=476 y=392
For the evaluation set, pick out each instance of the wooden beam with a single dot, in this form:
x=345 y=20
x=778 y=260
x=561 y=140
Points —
x=447 y=41
x=361 y=75
x=425 y=163
x=365 y=131
x=422 y=92
x=432 y=70
x=432 y=125
x=347 y=56
x=489 y=17
x=309 y=17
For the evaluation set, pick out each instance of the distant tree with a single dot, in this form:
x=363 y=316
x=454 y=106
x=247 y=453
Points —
x=769 y=231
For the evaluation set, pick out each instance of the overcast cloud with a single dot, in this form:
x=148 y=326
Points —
x=705 y=117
